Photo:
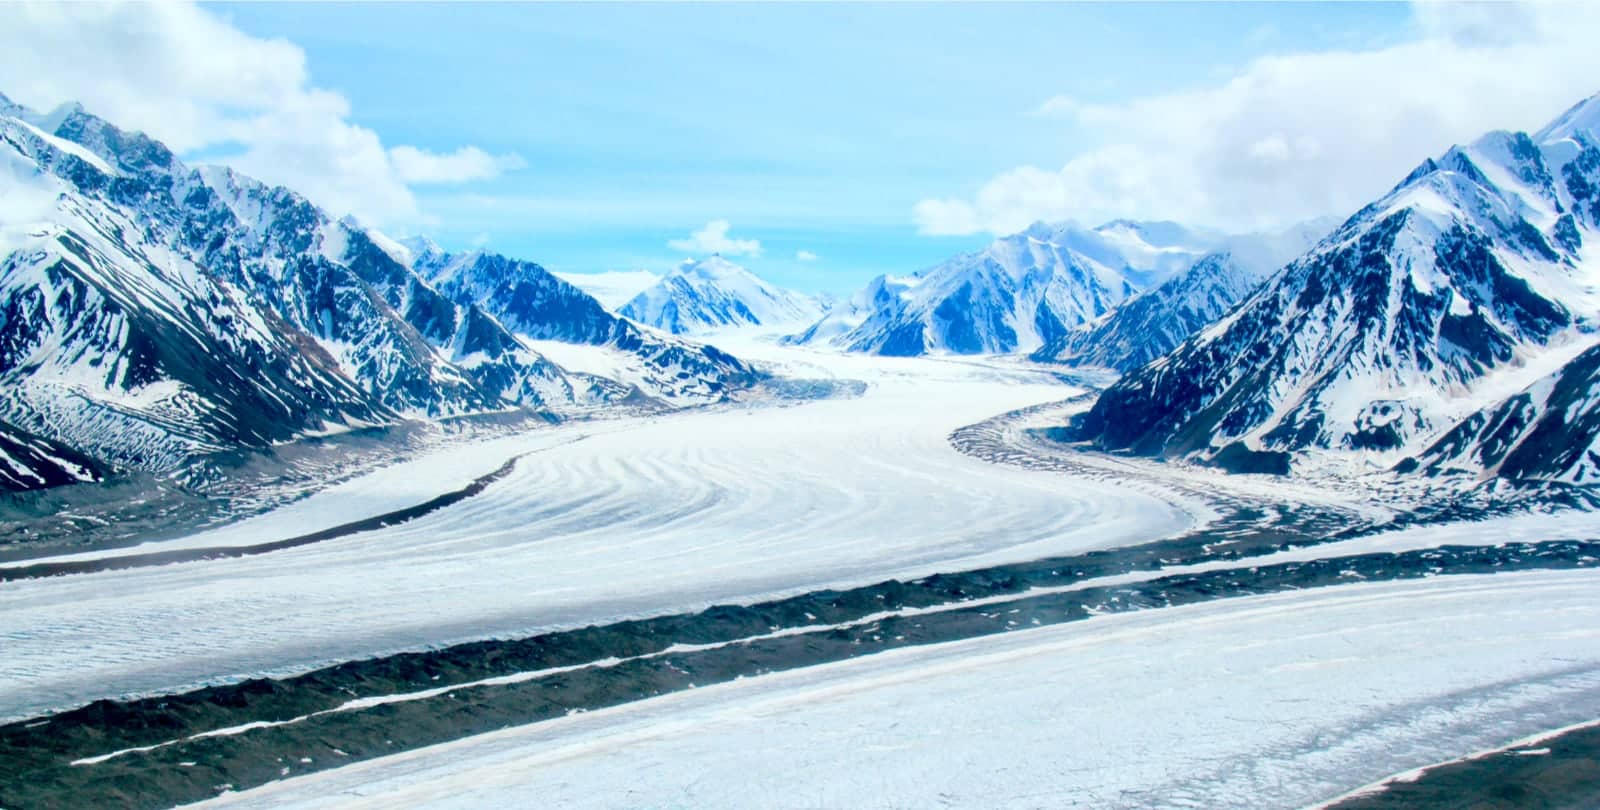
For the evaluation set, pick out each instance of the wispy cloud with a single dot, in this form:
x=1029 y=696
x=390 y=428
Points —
x=1058 y=106
x=1298 y=135
x=461 y=166
x=805 y=255
x=713 y=238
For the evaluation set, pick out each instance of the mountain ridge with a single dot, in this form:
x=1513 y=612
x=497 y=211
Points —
x=712 y=293
x=151 y=311
x=1026 y=291
x=1375 y=339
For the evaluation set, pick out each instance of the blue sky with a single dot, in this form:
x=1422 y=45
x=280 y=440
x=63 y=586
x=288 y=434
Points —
x=807 y=127
x=881 y=138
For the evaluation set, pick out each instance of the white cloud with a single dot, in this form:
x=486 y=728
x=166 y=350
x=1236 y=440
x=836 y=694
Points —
x=805 y=255
x=1058 y=107
x=713 y=238
x=188 y=78
x=1299 y=135
x=463 y=165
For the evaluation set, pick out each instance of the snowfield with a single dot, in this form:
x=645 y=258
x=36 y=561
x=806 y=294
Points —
x=1279 y=700
x=600 y=521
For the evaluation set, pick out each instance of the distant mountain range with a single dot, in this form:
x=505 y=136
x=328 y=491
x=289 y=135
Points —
x=151 y=311
x=1466 y=278
x=1040 y=290
x=1154 y=322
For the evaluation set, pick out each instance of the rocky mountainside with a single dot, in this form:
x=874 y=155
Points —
x=32 y=462
x=714 y=293
x=1549 y=431
x=1386 y=331
x=150 y=311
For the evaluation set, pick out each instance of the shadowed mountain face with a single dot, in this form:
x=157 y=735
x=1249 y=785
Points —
x=1548 y=432
x=31 y=462
x=1155 y=322
x=150 y=311
x=1372 y=339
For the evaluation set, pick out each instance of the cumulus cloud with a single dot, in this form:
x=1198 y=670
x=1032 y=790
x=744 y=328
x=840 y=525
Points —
x=186 y=77
x=713 y=238
x=1299 y=135
x=805 y=255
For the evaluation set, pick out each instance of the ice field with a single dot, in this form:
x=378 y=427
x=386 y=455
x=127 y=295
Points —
x=598 y=521
x=1280 y=701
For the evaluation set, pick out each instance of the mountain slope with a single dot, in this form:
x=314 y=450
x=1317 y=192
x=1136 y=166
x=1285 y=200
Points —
x=537 y=306
x=1020 y=293
x=31 y=462
x=714 y=293
x=115 y=344
x=1377 y=337
x=150 y=311
x=1550 y=431
x=1154 y=322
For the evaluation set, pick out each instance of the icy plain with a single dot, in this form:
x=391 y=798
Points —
x=1269 y=701
x=598 y=522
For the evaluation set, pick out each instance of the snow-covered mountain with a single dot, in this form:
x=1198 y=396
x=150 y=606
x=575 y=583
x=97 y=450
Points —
x=113 y=339
x=1154 y=322
x=1549 y=431
x=1018 y=294
x=714 y=293
x=542 y=309
x=150 y=311
x=1395 y=325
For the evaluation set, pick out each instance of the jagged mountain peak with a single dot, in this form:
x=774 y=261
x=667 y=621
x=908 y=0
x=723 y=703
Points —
x=712 y=293
x=1031 y=289
x=420 y=246
x=710 y=267
x=1580 y=121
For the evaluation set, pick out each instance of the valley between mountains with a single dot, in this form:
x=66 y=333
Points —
x=908 y=550
x=297 y=514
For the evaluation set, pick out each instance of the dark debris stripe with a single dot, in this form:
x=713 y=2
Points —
x=1560 y=772
x=36 y=756
x=394 y=518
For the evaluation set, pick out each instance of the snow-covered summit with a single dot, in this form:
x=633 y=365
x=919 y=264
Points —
x=417 y=247
x=1581 y=119
x=1026 y=290
x=713 y=293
